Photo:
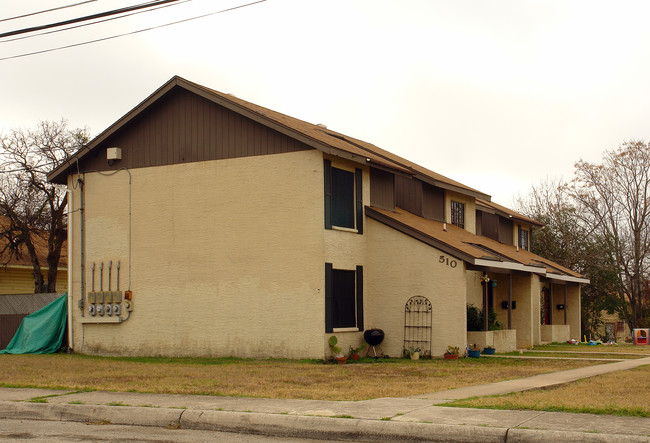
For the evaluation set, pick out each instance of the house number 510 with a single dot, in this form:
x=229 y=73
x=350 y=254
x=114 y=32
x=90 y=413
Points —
x=445 y=260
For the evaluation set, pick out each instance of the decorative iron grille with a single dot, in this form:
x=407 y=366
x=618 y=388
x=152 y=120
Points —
x=417 y=325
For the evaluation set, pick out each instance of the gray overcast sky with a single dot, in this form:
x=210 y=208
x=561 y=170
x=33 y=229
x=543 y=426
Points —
x=495 y=94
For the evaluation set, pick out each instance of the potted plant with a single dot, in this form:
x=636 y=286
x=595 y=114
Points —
x=338 y=352
x=414 y=353
x=451 y=353
x=354 y=352
x=473 y=351
x=488 y=350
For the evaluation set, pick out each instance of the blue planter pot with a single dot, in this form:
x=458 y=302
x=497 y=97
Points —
x=488 y=351
x=474 y=354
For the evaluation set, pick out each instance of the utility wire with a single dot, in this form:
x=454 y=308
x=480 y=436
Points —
x=93 y=23
x=86 y=18
x=130 y=33
x=47 y=10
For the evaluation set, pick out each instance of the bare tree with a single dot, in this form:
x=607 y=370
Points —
x=566 y=240
x=613 y=200
x=34 y=210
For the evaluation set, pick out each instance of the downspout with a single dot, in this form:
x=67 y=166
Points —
x=82 y=258
x=70 y=212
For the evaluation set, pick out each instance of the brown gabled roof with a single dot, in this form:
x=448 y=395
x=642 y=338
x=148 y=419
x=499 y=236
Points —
x=22 y=258
x=316 y=136
x=506 y=212
x=474 y=249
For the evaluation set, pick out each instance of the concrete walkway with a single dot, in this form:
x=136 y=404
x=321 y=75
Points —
x=385 y=419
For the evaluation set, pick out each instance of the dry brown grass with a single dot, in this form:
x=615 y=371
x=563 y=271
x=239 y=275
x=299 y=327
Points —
x=264 y=378
x=619 y=393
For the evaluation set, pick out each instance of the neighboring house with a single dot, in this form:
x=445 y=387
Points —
x=613 y=328
x=17 y=272
x=203 y=224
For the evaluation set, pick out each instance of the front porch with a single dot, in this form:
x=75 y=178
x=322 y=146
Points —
x=529 y=308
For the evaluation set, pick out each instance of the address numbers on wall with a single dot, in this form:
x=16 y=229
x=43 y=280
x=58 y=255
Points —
x=448 y=261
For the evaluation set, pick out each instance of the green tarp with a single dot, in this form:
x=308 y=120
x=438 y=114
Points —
x=41 y=332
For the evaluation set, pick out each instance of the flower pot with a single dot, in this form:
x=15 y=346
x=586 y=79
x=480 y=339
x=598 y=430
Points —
x=415 y=356
x=488 y=351
x=355 y=357
x=341 y=360
x=474 y=354
x=450 y=356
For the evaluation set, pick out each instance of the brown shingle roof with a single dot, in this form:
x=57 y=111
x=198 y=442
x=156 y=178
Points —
x=313 y=135
x=22 y=259
x=474 y=249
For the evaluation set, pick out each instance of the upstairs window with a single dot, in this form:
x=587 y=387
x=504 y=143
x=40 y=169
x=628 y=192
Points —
x=343 y=198
x=458 y=214
x=523 y=239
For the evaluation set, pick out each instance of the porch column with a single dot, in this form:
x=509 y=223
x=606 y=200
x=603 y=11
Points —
x=510 y=301
x=549 y=306
x=565 y=304
x=485 y=301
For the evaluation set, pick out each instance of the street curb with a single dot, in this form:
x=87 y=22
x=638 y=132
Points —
x=332 y=428
x=295 y=426
x=121 y=415
x=541 y=435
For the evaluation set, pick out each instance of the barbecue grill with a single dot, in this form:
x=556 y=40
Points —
x=374 y=337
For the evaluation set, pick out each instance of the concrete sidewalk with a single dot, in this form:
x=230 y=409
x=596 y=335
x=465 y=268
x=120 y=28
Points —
x=384 y=419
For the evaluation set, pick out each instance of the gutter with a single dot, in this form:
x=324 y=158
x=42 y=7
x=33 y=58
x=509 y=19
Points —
x=567 y=278
x=513 y=266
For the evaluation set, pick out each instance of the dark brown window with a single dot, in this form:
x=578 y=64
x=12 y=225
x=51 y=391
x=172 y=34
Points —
x=458 y=214
x=523 y=239
x=343 y=298
x=343 y=198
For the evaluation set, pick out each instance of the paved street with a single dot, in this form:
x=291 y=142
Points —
x=65 y=431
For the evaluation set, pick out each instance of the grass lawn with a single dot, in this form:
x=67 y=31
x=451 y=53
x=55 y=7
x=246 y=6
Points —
x=265 y=378
x=616 y=393
x=613 y=349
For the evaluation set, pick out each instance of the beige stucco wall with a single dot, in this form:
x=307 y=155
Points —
x=20 y=280
x=573 y=307
x=470 y=209
x=474 y=288
x=212 y=243
x=502 y=341
x=400 y=267
x=523 y=316
x=555 y=333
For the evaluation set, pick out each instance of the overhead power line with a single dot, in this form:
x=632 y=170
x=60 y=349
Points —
x=86 y=18
x=94 y=23
x=46 y=10
x=132 y=32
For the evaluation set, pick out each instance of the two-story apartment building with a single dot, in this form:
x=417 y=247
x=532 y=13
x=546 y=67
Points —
x=202 y=224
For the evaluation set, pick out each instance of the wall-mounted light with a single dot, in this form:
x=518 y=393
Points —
x=113 y=154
